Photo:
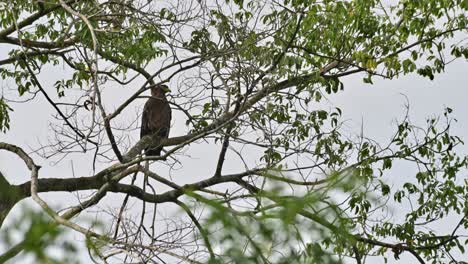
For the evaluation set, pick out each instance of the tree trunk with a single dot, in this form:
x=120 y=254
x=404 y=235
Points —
x=9 y=196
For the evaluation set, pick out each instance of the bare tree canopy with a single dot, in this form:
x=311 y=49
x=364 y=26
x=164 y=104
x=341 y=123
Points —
x=257 y=168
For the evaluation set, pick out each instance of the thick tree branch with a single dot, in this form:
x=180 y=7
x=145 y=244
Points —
x=9 y=196
x=39 y=44
x=12 y=252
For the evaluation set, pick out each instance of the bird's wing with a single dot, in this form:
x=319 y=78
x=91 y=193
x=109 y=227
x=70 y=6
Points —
x=145 y=122
x=168 y=113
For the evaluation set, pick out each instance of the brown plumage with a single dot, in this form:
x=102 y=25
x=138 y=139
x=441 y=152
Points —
x=156 y=118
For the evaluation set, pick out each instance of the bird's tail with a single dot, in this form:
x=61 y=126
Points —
x=153 y=152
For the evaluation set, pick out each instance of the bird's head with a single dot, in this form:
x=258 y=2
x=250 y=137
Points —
x=159 y=90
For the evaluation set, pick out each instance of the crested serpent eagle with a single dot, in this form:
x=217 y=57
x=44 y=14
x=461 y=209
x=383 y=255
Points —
x=156 y=118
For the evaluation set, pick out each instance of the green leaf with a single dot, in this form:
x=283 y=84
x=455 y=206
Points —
x=4 y=115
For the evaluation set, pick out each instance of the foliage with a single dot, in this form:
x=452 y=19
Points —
x=40 y=238
x=4 y=116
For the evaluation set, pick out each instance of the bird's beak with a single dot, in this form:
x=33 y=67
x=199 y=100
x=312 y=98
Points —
x=165 y=88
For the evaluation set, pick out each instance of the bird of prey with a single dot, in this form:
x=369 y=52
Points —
x=156 y=118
